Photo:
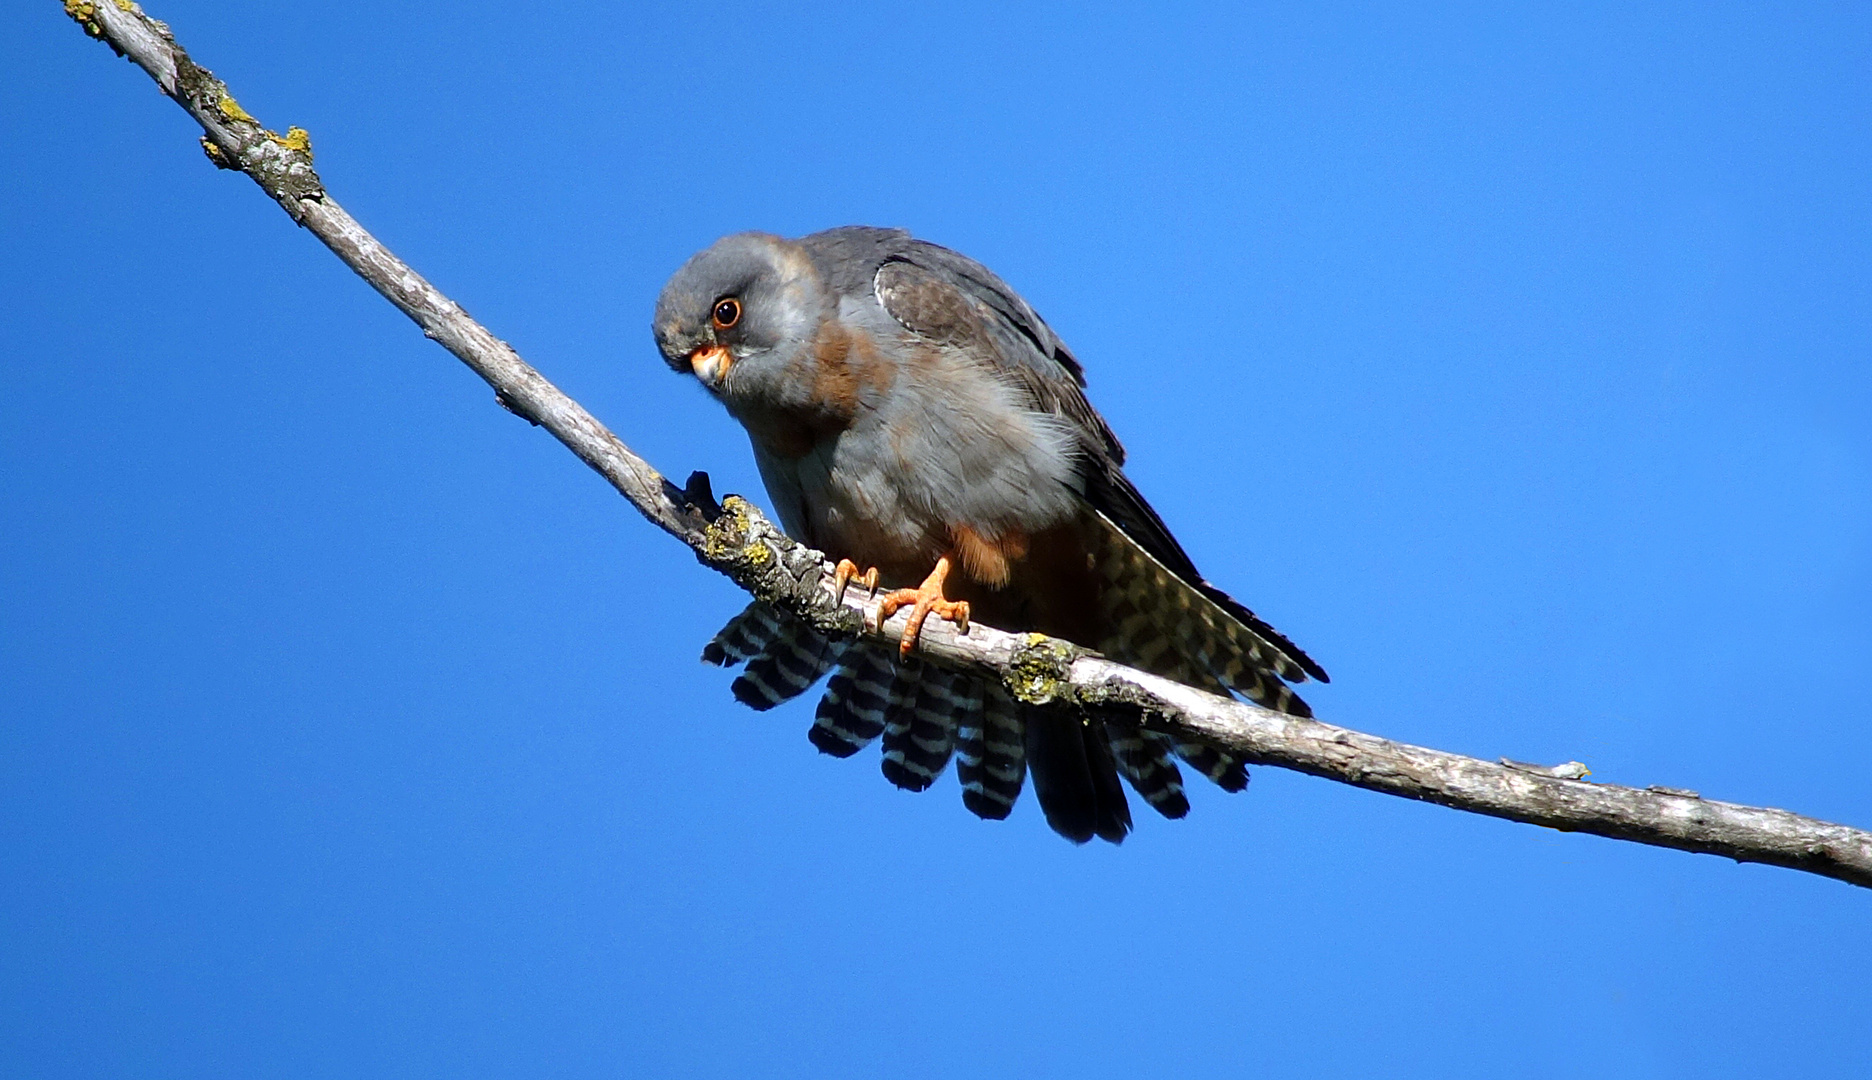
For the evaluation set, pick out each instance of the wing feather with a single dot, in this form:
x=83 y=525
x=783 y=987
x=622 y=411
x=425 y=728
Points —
x=953 y=300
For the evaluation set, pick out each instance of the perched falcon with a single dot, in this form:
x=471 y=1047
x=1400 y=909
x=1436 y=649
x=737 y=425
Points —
x=913 y=418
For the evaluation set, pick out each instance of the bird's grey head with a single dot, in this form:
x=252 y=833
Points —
x=739 y=311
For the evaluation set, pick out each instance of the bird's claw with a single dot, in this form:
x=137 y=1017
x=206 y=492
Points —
x=923 y=600
x=846 y=572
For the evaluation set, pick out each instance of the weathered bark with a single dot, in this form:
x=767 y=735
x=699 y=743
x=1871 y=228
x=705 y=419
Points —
x=736 y=540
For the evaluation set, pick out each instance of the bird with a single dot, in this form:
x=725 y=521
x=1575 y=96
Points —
x=916 y=420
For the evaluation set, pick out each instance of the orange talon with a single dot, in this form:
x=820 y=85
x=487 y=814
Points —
x=925 y=598
x=846 y=572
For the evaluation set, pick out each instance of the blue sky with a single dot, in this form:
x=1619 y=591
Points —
x=1513 y=363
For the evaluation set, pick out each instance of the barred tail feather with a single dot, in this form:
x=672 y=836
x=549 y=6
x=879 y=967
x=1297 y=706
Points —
x=919 y=730
x=851 y=714
x=1225 y=769
x=789 y=664
x=1145 y=759
x=745 y=635
x=991 y=758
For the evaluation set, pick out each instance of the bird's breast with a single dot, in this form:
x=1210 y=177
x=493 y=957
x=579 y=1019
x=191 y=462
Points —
x=891 y=450
x=819 y=394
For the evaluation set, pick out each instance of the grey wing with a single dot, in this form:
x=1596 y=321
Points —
x=950 y=298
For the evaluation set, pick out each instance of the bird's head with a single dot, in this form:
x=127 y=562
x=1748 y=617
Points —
x=739 y=312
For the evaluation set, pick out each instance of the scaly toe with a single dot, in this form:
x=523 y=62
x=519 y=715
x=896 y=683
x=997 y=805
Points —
x=926 y=597
x=891 y=601
x=914 y=628
x=924 y=605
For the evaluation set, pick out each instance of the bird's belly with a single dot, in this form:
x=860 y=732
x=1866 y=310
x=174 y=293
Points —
x=863 y=500
x=856 y=509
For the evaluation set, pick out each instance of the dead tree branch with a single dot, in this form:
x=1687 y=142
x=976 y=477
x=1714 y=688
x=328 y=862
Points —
x=736 y=540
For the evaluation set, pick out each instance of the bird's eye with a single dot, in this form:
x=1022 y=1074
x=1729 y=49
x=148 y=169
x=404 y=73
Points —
x=727 y=313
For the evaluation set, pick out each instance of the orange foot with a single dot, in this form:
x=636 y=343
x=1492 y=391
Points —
x=926 y=598
x=846 y=572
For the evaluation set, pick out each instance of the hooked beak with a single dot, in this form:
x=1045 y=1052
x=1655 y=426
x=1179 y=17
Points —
x=710 y=363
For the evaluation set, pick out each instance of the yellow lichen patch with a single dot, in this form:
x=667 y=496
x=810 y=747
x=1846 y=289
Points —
x=125 y=5
x=214 y=154
x=296 y=138
x=232 y=110
x=725 y=534
x=85 y=14
x=1038 y=670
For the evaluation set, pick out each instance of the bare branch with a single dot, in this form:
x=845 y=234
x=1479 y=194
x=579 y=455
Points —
x=736 y=540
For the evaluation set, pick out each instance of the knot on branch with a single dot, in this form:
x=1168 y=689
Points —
x=1040 y=671
x=744 y=545
x=281 y=164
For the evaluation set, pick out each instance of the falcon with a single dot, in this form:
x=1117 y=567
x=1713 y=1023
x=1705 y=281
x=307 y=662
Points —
x=916 y=420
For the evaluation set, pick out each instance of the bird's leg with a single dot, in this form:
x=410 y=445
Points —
x=846 y=572
x=924 y=599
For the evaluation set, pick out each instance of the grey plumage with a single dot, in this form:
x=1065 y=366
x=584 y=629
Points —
x=905 y=405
